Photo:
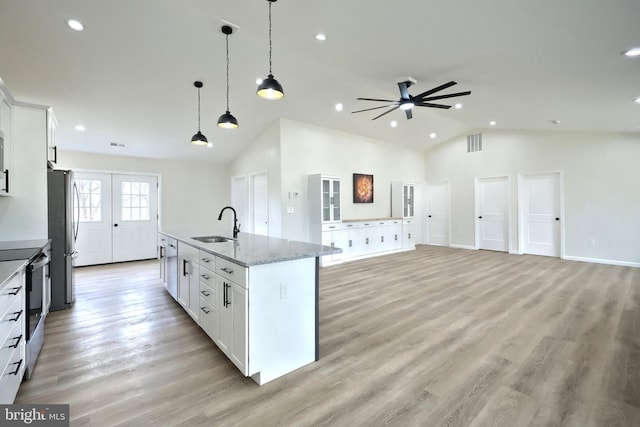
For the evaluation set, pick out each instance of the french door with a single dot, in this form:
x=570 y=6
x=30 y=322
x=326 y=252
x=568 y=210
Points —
x=118 y=217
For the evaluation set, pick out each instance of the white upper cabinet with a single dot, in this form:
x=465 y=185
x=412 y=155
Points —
x=5 y=144
x=402 y=199
x=52 y=149
x=324 y=198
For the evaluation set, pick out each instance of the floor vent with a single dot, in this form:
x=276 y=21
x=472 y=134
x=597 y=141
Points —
x=474 y=143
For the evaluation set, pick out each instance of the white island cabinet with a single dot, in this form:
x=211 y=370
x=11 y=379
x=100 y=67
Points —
x=257 y=299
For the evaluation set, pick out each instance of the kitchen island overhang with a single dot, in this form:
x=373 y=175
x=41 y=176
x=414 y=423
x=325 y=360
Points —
x=277 y=329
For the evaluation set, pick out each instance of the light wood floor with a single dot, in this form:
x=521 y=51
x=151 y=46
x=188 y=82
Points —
x=432 y=337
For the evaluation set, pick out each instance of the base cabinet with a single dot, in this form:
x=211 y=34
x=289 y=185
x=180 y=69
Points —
x=188 y=279
x=232 y=337
x=12 y=333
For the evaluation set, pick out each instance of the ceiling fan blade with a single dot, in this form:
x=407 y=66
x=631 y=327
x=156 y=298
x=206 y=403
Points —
x=404 y=92
x=374 y=108
x=409 y=114
x=435 y=89
x=426 y=104
x=374 y=99
x=451 y=95
x=386 y=112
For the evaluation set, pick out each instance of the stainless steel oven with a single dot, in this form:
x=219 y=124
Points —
x=38 y=285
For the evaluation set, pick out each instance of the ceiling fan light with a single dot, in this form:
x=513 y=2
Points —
x=199 y=139
x=270 y=89
x=407 y=104
x=227 y=121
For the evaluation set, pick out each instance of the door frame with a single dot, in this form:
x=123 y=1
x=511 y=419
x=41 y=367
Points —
x=427 y=206
x=252 y=200
x=477 y=181
x=521 y=203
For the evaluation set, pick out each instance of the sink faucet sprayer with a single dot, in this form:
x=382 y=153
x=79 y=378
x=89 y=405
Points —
x=236 y=226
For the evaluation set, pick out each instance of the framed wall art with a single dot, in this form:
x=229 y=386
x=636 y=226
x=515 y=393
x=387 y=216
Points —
x=362 y=188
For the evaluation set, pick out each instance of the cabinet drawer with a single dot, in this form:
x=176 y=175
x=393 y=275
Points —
x=207 y=276
x=11 y=377
x=11 y=291
x=15 y=340
x=208 y=319
x=231 y=271
x=209 y=292
x=208 y=261
x=12 y=317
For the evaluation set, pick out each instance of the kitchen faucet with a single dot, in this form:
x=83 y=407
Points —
x=236 y=226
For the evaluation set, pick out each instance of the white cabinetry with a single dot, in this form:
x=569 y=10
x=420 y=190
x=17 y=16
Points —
x=12 y=333
x=52 y=125
x=5 y=144
x=188 y=281
x=403 y=203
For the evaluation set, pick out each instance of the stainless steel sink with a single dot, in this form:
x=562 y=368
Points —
x=213 y=239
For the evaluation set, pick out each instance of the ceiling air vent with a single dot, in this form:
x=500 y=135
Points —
x=474 y=143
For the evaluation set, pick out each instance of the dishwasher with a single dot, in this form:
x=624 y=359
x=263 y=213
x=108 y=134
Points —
x=172 y=267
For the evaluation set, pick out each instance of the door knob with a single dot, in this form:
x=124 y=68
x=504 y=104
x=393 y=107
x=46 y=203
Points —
x=429 y=216
x=115 y=225
x=480 y=217
x=557 y=219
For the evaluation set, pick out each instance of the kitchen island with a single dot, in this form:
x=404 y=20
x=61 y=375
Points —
x=255 y=296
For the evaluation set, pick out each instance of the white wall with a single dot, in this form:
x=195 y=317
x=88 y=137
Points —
x=601 y=176
x=192 y=193
x=24 y=215
x=308 y=149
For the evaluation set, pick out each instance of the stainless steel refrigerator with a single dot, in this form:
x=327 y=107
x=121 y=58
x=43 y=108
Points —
x=63 y=232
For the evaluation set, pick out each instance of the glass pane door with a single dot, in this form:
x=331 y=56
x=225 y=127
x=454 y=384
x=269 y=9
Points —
x=326 y=200
x=336 y=200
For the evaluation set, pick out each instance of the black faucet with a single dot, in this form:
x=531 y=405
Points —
x=236 y=226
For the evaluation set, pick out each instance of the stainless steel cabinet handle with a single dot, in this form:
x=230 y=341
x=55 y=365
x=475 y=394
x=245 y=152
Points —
x=205 y=310
x=227 y=270
x=205 y=293
x=205 y=276
x=207 y=260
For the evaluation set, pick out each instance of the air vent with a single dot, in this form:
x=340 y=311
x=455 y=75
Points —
x=474 y=143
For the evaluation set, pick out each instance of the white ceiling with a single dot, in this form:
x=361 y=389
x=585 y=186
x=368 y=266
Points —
x=128 y=77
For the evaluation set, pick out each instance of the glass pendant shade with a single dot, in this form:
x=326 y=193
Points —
x=270 y=89
x=227 y=121
x=199 y=139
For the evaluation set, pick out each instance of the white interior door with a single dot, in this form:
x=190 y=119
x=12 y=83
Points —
x=260 y=204
x=540 y=214
x=492 y=198
x=240 y=200
x=94 y=242
x=438 y=213
x=135 y=217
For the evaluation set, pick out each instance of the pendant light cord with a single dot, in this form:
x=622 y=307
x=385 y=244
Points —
x=227 y=72
x=269 y=36
x=198 y=110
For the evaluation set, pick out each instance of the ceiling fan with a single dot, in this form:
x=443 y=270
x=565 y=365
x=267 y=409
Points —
x=407 y=102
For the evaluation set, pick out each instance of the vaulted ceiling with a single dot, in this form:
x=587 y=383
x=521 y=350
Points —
x=128 y=77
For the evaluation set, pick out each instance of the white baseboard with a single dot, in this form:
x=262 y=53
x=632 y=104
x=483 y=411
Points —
x=472 y=248
x=603 y=261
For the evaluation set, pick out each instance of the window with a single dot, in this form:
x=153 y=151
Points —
x=135 y=201
x=90 y=200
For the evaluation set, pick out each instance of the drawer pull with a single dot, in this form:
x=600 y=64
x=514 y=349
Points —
x=205 y=310
x=205 y=293
x=205 y=276
x=17 y=368
x=18 y=314
x=18 y=339
x=15 y=291
x=227 y=270
x=207 y=260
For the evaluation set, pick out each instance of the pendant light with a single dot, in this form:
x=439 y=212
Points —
x=227 y=121
x=199 y=138
x=270 y=88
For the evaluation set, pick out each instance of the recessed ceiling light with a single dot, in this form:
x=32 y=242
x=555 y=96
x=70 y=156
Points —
x=258 y=81
x=320 y=36
x=555 y=122
x=79 y=127
x=633 y=52
x=339 y=106
x=432 y=135
x=637 y=100
x=458 y=106
x=394 y=124
x=75 y=25
x=492 y=123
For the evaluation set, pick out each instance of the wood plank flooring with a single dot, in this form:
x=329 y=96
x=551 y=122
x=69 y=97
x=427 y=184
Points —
x=432 y=337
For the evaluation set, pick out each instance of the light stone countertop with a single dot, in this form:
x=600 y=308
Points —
x=8 y=269
x=253 y=249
